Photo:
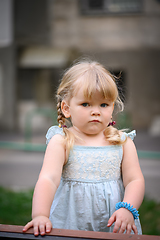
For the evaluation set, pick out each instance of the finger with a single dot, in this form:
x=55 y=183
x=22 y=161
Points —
x=36 y=230
x=27 y=226
x=42 y=229
x=48 y=227
x=129 y=228
x=122 y=227
x=116 y=226
x=134 y=228
x=111 y=220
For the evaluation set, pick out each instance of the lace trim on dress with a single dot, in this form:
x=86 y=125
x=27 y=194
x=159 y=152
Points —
x=53 y=131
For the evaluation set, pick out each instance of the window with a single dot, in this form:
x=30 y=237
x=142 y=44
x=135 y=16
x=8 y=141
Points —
x=91 y=7
x=94 y=5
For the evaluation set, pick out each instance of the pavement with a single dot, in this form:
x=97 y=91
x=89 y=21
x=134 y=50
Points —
x=19 y=170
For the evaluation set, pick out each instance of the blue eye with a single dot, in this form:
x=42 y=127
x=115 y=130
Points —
x=85 y=104
x=104 y=105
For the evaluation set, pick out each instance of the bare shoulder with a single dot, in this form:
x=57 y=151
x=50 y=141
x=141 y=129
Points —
x=129 y=145
x=130 y=156
x=57 y=140
x=56 y=149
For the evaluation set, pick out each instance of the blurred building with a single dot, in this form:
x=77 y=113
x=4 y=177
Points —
x=39 y=38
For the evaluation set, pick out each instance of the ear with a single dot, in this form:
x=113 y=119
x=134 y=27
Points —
x=65 y=109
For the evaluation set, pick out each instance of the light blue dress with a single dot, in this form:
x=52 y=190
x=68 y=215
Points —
x=90 y=187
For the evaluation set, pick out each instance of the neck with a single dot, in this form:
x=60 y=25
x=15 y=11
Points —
x=89 y=139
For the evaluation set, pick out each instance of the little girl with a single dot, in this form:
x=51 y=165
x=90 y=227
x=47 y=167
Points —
x=90 y=169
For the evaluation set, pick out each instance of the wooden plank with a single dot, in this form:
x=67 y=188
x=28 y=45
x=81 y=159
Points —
x=15 y=232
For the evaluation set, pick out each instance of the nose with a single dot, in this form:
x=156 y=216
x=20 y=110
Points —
x=95 y=111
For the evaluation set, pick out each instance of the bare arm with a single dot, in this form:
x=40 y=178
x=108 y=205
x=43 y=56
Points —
x=46 y=186
x=133 y=181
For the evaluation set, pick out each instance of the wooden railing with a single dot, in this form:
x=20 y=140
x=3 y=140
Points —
x=15 y=232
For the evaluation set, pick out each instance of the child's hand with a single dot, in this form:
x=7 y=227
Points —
x=41 y=225
x=124 y=220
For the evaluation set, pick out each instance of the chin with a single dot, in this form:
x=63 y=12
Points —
x=93 y=132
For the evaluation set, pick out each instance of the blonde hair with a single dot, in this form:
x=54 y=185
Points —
x=95 y=77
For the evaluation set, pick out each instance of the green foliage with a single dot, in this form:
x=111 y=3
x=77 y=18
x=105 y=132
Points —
x=15 y=208
x=150 y=217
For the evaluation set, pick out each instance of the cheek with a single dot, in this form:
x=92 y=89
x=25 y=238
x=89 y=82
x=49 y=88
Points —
x=81 y=110
x=108 y=114
x=80 y=115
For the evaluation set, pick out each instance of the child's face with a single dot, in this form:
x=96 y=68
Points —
x=90 y=116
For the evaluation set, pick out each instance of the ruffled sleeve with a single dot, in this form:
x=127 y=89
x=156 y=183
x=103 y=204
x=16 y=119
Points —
x=53 y=131
x=131 y=134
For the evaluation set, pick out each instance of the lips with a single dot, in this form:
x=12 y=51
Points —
x=95 y=121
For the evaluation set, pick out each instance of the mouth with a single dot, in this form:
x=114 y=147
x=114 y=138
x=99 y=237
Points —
x=95 y=121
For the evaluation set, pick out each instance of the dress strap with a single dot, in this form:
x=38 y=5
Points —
x=53 y=131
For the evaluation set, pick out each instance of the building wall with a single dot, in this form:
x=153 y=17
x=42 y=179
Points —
x=71 y=28
x=8 y=88
x=142 y=76
x=31 y=22
x=122 y=42
x=127 y=42
x=7 y=67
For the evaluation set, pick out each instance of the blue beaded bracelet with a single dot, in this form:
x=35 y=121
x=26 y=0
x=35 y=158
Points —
x=129 y=207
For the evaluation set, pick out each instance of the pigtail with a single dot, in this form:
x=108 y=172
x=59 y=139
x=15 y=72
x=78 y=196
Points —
x=69 y=136
x=61 y=117
x=113 y=136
